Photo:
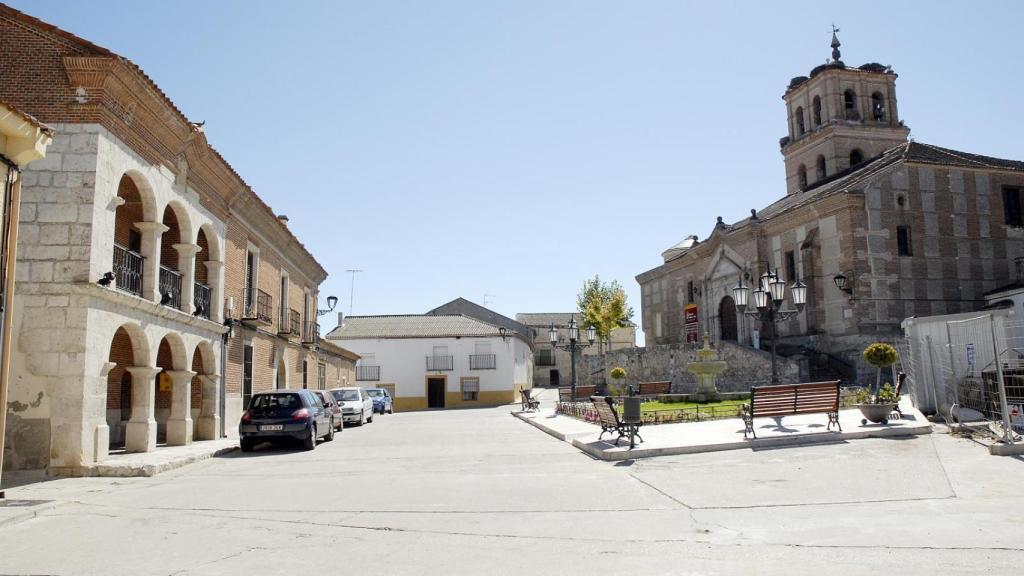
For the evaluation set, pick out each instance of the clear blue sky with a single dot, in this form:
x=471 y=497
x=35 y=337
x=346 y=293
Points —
x=516 y=148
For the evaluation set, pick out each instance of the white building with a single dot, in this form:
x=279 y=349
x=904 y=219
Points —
x=438 y=361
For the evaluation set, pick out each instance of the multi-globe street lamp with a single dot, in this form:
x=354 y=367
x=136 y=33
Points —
x=768 y=300
x=573 y=346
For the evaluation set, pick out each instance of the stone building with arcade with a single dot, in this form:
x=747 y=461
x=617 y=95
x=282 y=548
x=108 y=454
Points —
x=879 y=227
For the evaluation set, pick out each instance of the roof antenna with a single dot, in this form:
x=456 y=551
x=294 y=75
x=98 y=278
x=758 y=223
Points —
x=835 y=44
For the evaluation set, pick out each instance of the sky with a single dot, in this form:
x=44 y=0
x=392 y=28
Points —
x=509 y=150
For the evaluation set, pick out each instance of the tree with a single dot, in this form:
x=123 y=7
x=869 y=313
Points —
x=603 y=306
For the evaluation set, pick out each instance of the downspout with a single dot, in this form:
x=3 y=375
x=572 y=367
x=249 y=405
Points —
x=12 y=199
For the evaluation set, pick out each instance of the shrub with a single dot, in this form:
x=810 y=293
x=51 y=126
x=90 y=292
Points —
x=881 y=355
x=618 y=373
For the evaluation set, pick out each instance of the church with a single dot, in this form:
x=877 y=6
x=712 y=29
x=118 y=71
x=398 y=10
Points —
x=877 y=226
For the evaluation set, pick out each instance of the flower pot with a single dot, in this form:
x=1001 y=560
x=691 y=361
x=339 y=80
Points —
x=877 y=413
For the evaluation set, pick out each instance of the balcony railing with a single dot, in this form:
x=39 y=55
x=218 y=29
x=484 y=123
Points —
x=438 y=363
x=482 y=361
x=170 y=287
x=368 y=373
x=201 y=299
x=545 y=360
x=290 y=324
x=258 y=307
x=310 y=333
x=127 y=270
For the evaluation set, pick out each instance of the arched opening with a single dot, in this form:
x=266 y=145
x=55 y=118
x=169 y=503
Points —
x=801 y=177
x=878 y=107
x=820 y=167
x=205 y=393
x=727 y=319
x=170 y=275
x=850 y=105
x=856 y=157
x=281 y=376
x=125 y=353
x=800 y=128
x=170 y=361
x=127 y=265
x=202 y=292
x=816 y=111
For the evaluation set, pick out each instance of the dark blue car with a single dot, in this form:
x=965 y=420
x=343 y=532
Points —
x=382 y=401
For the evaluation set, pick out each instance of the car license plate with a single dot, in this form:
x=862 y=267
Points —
x=272 y=428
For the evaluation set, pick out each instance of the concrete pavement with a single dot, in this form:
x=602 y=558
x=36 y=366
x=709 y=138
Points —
x=476 y=491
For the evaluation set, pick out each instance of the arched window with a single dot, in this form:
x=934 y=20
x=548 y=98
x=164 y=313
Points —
x=801 y=177
x=816 y=110
x=821 y=168
x=800 y=128
x=850 y=105
x=878 y=107
x=856 y=157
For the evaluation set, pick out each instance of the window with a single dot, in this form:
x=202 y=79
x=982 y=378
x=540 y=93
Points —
x=821 y=168
x=689 y=291
x=800 y=128
x=1011 y=207
x=801 y=177
x=850 y=105
x=321 y=376
x=305 y=370
x=246 y=375
x=250 y=279
x=856 y=157
x=545 y=357
x=284 y=304
x=657 y=325
x=877 y=107
x=791 y=266
x=903 y=240
x=816 y=111
x=470 y=389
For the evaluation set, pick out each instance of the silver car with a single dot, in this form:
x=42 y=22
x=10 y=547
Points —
x=356 y=404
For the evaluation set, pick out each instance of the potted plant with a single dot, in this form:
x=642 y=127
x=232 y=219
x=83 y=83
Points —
x=618 y=374
x=877 y=402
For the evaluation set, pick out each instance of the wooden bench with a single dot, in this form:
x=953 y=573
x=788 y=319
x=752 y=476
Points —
x=790 y=399
x=529 y=403
x=654 y=388
x=582 y=393
x=608 y=418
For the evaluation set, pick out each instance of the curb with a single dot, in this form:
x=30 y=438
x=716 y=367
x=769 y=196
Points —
x=27 y=513
x=108 y=470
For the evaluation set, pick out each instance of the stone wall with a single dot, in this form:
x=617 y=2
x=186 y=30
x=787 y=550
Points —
x=747 y=367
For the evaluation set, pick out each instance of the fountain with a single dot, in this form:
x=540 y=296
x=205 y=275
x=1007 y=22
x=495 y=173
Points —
x=706 y=368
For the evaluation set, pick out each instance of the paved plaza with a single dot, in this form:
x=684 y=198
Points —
x=480 y=492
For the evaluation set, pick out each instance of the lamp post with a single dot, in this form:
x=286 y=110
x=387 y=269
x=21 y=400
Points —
x=332 y=301
x=768 y=300
x=573 y=346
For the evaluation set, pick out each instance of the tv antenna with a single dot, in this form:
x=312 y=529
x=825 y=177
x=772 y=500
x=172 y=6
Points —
x=352 y=288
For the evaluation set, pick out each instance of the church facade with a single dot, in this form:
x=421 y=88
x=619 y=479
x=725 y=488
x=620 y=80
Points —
x=877 y=226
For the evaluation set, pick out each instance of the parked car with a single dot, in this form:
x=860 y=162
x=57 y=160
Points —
x=356 y=404
x=331 y=404
x=285 y=414
x=382 y=401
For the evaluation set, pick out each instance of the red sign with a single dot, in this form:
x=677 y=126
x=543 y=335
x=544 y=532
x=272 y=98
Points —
x=690 y=323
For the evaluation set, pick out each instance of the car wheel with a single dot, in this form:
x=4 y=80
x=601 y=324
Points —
x=362 y=418
x=330 y=432
x=310 y=442
x=246 y=444
x=391 y=409
x=370 y=419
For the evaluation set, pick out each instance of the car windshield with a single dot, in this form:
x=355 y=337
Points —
x=281 y=404
x=346 y=395
x=375 y=393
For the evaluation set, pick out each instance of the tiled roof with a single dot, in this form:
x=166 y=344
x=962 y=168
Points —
x=28 y=117
x=474 y=310
x=546 y=318
x=411 y=326
x=336 y=350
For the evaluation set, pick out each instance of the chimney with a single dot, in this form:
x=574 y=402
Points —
x=341 y=319
x=283 y=218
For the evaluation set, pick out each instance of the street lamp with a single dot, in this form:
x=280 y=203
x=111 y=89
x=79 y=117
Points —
x=768 y=300
x=573 y=346
x=332 y=301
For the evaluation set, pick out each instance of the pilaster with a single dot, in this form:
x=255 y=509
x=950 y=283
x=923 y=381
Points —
x=140 y=433
x=179 y=423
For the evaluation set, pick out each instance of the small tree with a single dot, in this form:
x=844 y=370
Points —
x=880 y=355
x=603 y=306
x=618 y=374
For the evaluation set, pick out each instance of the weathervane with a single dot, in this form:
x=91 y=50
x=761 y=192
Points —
x=835 y=43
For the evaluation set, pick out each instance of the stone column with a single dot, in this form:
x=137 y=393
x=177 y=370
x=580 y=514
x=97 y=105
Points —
x=151 y=232
x=179 y=423
x=187 y=266
x=209 y=416
x=101 y=437
x=140 y=433
x=215 y=274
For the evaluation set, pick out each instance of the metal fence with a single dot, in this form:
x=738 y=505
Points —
x=972 y=376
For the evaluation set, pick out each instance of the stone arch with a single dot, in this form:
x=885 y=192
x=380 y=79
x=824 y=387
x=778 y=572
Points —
x=856 y=157
x=878 y=106
x=282 y=374
x=801 y=127
x=816 y=111
x=146 y=195
x=204 y=403
x=128 y=349
x=820 y=169
x=801 y=177
x=850 y=104
x=728 y=328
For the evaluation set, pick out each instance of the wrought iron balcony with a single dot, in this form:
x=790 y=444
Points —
x=371 y=373
x=440 y=363
x=290 y=323
x=201 y=299
x=170 y=287
x=127 y=270
x=482 y=361
x=258 y=307
x=311 y=333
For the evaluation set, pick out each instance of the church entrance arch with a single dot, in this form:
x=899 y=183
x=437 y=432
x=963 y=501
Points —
x=727 y=319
